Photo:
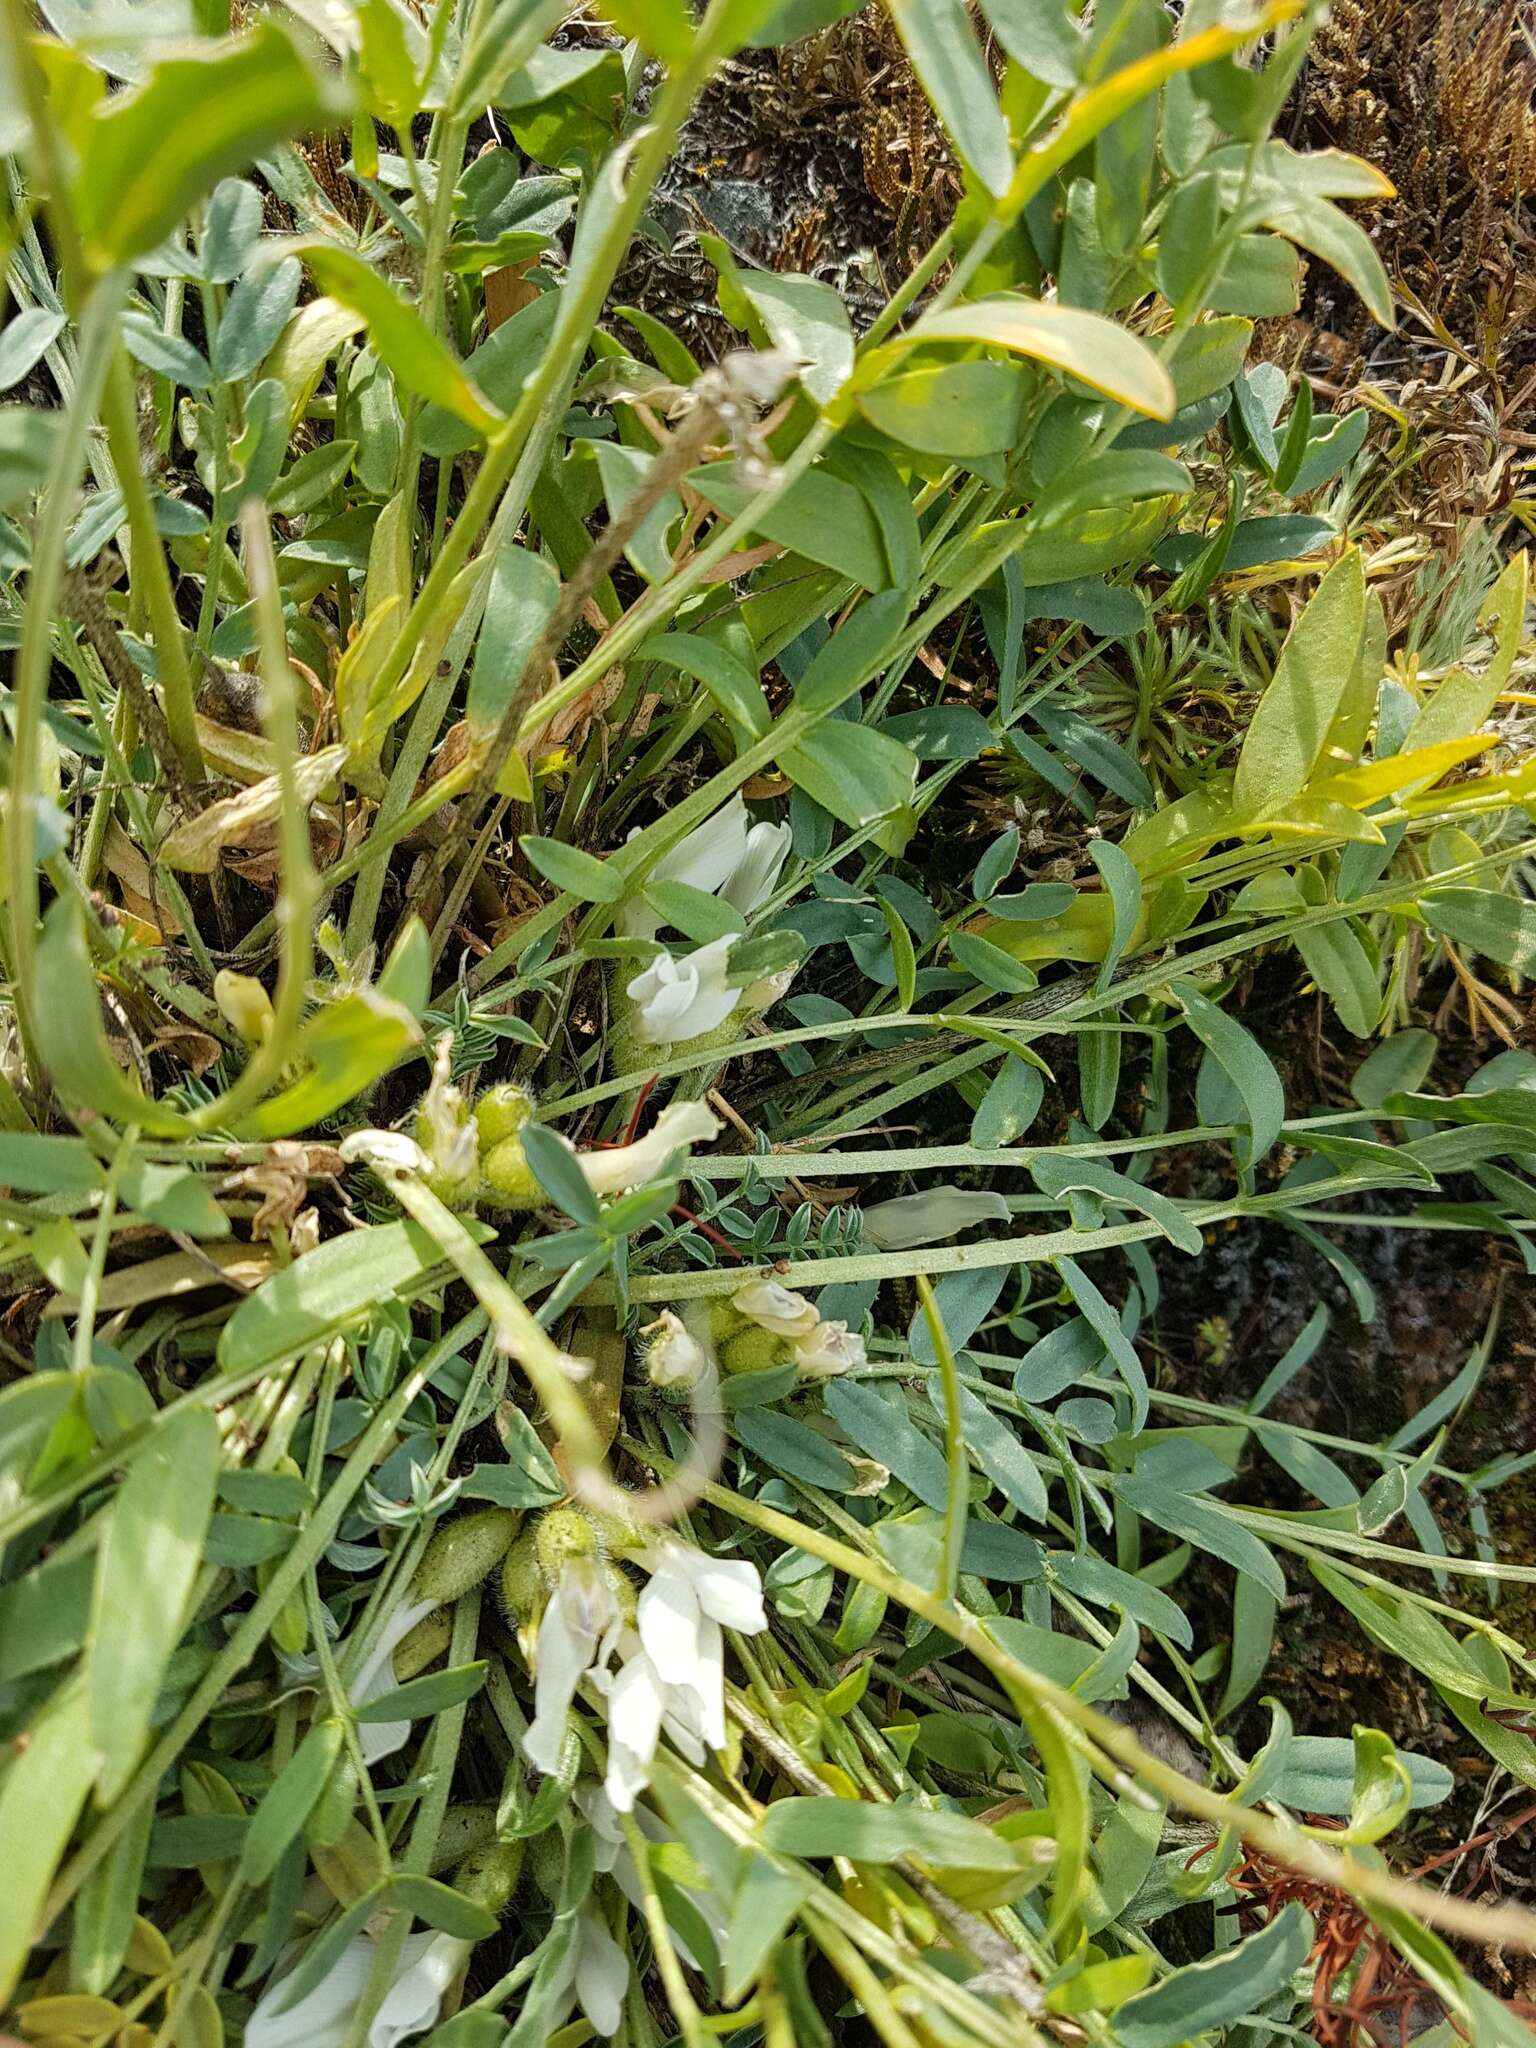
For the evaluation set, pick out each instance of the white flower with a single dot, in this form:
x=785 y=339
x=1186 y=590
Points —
x=379 y=1739
x=683 y=998
x=776 y=1308
x=637 y=1707
x=671 y=1676
x=376 y=1739
x=628 y=1166
x=751 y=882
x=686 y=1600
x=387 y=1151
x=572 y=1636
x=830 y=1349
x=722 y=856
x=597 y=1972
x=323 y=2017
x=930 y=1217
x=674 y=1357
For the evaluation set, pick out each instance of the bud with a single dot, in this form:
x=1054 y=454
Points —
x=243 y=1001
x=673 y=1357
x=930 y=1217
x=447 y=1134
x=776 y=1308
x=462 y=1553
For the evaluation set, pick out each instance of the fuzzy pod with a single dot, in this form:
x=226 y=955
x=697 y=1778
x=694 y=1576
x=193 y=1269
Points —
x=522 y=1586
x=546 y=1863
x=753 y=1350
x=561 y=1534
x=501 y=1112
x=422 y=1645
x=507 y=1181
x=465 y=1832
x=489 y=1876
x=464 y=1552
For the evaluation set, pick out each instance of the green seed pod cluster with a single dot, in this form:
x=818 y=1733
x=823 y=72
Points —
x=475 y=1149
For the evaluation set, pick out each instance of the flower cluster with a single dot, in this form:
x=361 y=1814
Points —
x=763 y=1325
x=656 y=1661
x=678 y=997
x=473 y=1154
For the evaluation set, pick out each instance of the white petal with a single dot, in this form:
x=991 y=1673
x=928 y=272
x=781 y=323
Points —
x=635 y=1708
x=729 y=1591
x=567 y=1638
x=429 y=1964
x=710 y=853
x=668 y=1618
x=829 y=1350
x=602 y=1975
x=379 y=1739
x=708 y=1683
x=752 y=881
x=776 y=1308
x=323 y=2017
x=626 y=1166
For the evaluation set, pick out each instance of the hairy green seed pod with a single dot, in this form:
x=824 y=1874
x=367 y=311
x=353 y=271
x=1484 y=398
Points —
x=490 y=1875
x=462 y=1553
x=422 y=1645
x=561 y=1534
x=752 y=1350
x=522 y=1582
x=501 y=1112
x=507 y=1181
x=546 y=1863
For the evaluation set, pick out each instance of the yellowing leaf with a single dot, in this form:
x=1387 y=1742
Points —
x=1288 y=732
x=1463 y=701
x=1083 y=345
x=1374 y=779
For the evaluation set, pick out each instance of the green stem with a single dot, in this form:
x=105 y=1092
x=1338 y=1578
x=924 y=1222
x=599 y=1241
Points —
x=148 y=568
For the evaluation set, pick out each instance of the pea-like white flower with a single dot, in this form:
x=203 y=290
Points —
x=671 y=1665
x=575 y=1636
x=777 y=1308
x=596 y=1973
x=379 y=1739
x=687 y=1600
x=628 y=1166
x=683 y=996
x=375 y=1677
x=830 y=1349
x=726 y=856
x=930 y=1217
x=323 y=2017
x=674 y=1357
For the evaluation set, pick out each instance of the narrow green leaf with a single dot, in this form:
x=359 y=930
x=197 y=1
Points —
x=145 y=1571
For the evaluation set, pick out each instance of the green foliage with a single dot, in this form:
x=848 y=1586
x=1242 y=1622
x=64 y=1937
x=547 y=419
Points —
x=1051 y=640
